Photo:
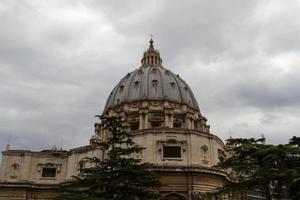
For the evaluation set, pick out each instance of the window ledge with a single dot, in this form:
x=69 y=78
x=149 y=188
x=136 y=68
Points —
x=47 y=178
x=172 y=159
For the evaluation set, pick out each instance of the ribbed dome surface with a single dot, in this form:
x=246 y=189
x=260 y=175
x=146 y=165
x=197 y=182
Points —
x=152 y=83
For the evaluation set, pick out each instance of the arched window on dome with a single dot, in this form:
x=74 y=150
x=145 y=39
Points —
x=136 y=83
x=155 y=90
x=172 y=90
x=154 y=71
x=134 y=92
x=155 y=84
x=172 y=84
x=121 y=88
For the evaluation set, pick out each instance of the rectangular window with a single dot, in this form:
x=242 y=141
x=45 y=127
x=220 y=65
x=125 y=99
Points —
x=172 y=151
x=156 y=124
x=177 y=125
x=49 y=172
x=134 y=126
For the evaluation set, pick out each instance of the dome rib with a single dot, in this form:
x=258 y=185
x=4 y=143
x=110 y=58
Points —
x=130 y=84
x=147 y=80
x=178 y=85
x=162 y=84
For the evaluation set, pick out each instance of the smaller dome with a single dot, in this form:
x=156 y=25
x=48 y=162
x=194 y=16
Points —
x=151 y=81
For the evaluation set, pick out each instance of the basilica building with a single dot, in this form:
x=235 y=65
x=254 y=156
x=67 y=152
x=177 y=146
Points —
x=163 y=116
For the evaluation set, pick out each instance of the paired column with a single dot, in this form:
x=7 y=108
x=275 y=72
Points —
x=143 y=119
x=169 y=118
x=189 y=122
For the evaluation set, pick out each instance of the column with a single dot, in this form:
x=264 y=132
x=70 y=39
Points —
x=169 y=118
x=141 y=121
x=143 y=118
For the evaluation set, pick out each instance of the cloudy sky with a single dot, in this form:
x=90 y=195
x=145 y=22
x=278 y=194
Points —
x=59 y=60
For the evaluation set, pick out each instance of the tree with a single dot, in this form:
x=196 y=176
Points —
x=295 y=186
x=118 y=176
x=256 y=165
x=295 y=141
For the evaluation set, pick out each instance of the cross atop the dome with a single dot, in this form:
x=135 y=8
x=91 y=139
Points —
x=151 y=41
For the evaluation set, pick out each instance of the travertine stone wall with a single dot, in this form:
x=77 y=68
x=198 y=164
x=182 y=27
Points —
x=183 y=182
x=19 y=165
x=192 y=145
x=17 y=192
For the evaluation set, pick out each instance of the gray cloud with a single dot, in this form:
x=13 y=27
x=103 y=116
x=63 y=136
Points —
x=60 y=59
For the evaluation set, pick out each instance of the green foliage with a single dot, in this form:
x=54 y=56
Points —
x=295 y=141
x=118 y=175
x=256 y=165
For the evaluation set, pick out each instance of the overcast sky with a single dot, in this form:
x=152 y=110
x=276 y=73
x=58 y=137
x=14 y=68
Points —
x=59 y=60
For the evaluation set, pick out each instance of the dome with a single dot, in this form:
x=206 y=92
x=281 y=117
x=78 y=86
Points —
x=151 y=81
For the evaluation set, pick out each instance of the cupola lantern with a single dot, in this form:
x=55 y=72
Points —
x=151 y=56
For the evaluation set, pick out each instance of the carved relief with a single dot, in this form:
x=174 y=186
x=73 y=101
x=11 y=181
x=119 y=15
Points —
x=155 y=103
x=204 y=154
x=14 y=171
x=221 y=155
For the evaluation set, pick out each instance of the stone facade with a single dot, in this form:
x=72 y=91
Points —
x=163 y=116
x=36 y=175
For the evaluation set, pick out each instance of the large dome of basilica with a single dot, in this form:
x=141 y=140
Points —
x=151 y=81
x=163 y=117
